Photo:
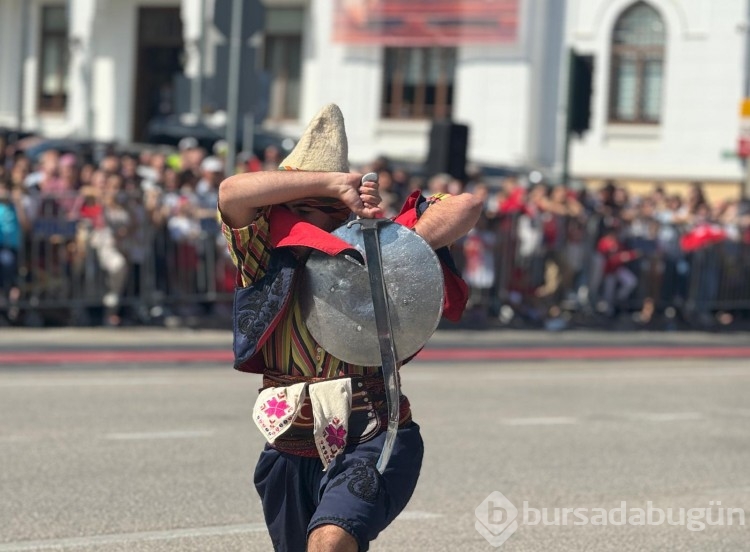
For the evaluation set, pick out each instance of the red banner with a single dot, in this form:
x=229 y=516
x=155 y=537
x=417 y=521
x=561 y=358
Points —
x=426 y=22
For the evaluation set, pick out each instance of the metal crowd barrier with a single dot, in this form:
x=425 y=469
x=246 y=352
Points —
x=76 y=272
x=689 y=285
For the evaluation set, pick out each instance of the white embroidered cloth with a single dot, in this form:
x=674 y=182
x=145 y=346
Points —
x=331 y=404
x=277 y=407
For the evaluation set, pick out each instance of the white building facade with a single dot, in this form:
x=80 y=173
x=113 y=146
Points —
x=668 y=82
x=664 y=104
x=72 y=68
x=507 y=92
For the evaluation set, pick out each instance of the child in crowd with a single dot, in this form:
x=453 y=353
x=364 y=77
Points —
x=619 y=281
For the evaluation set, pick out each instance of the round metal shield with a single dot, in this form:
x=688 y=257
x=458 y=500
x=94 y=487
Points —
x=337 y=302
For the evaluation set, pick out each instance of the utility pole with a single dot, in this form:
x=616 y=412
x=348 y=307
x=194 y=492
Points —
x=566 y=139
x=746 y=184
x=233 y=87
x=196 y=93
x=22 y=65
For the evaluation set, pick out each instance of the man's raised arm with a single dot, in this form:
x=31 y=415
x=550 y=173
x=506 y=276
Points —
x=241 y=195
x=449 y=219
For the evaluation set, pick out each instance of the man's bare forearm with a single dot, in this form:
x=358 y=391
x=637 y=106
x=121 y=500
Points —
x=241 y=195
x=447 y=220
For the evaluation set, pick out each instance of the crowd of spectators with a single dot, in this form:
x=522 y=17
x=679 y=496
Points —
x=538 y=253
x=110 y=205
x=544 y=251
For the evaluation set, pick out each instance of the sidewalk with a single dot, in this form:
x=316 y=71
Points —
x=159 y=338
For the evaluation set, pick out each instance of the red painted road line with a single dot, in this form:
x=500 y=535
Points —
x=453 y=354
x=597 y=353
x=113 y=357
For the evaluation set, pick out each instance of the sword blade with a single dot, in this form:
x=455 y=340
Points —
x=385 y=334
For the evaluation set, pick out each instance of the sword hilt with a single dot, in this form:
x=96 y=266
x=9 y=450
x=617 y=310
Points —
x=369 y=177
x=367 y=223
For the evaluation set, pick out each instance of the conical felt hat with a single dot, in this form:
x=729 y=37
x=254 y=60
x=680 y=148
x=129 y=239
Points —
x=323 y=146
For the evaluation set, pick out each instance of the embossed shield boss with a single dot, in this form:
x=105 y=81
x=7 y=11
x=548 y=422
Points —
x=336 y=299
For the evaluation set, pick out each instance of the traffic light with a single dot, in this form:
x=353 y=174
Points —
x=579 y=92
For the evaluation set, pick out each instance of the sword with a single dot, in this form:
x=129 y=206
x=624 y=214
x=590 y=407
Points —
x=383 y=325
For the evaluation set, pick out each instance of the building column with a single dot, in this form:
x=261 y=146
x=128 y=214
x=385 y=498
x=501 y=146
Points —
x=197 y=21
x=82 y=15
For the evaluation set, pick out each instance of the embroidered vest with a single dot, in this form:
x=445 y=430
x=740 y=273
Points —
x=259 y=307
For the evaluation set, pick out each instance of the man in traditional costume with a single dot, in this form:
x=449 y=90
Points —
x=343 y=456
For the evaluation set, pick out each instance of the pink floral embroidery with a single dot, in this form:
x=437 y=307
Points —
x=276 y=408
x=335 y=435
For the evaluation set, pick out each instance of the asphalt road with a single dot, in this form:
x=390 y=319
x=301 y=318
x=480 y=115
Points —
x=160 y=457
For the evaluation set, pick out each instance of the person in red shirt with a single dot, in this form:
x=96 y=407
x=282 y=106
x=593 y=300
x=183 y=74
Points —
x=619 y=280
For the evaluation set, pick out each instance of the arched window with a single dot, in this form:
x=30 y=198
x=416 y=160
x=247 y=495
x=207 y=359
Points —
x=637 y=66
